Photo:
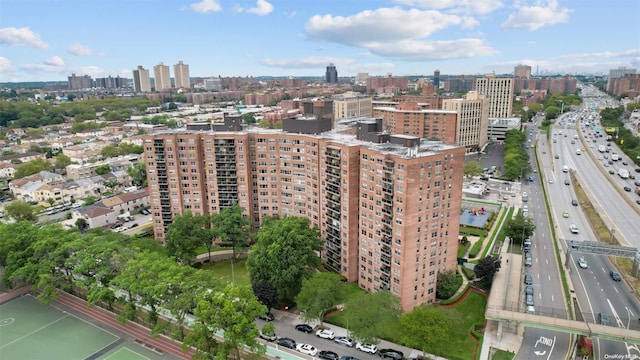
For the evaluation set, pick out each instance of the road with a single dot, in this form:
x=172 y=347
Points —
x=595 y=290
x=548 y=297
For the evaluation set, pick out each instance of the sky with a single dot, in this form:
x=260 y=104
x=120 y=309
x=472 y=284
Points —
x=48 y=40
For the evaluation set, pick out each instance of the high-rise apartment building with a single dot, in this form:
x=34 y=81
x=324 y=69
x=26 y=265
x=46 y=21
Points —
x=522 y=72
x=80 y=82
x=409 y=119
x=331 y=75
x=141 y=80
x=436 y=78
x=499 y=92
x=473 y=120
x=388 y=211
x=161 y=77
x=350 y=105
x=181 y=75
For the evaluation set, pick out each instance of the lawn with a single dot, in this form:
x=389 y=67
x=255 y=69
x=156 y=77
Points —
x=503 y=355
x=224 y=270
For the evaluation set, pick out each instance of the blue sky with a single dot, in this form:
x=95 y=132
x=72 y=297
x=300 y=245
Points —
x=43 y=40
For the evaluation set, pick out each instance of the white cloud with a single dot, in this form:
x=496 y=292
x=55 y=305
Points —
x=459 y=6
x=413 y=50
x=206 y=6
x=54 y=61
x=304 y=63
x=607 y=54
x=263 y=7
x=54 y=64
x=381 y=25
x=542 y=13
x=5 y=65
x=81 y=50
x=21 y=36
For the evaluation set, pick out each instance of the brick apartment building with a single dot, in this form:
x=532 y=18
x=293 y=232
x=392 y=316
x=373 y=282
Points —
x=387 y=205
x=410 y=118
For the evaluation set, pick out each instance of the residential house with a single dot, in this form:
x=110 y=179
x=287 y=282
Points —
x=96 y=216
x=22 y=157
x=127 y=202
x=7 y=170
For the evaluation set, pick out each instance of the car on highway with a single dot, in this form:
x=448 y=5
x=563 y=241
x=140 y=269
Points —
x=368 y=348
x=574 y=228
x=557 y=157
x=604 y=319
x=325 y=334
x=391 y=354
x=304 y=328
x=286 y=342
x=625 y=163
x=638 y=201
x=565 y=214
x=582 y=263
x=328 y=355
x=611 y=172
x=566 y=182
x=627 y=189
x=528 y=280
x=343 y=340
x=574 y=202
x=615 y=276
x=307 y=349
x=550 y=181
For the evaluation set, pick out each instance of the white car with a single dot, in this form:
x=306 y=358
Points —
x=582 y=263
x=368 y=348
x=307 y=349
x=325 y=334
x=119 y=229
x=573 y=228
x=344 y=341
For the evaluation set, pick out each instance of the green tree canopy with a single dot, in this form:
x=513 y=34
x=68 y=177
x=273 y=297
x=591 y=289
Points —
x=232 y=227
x=20 y=211
x=370 y=314
x=284 y=255
x=319 y=293
x=426 y=328
x=519 y=228
x=185 y=234
x=32 y=167
x=472 y=168
x=103 y=169
x=138 y=173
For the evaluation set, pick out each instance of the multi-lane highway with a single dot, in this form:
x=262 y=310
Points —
x=596 y=291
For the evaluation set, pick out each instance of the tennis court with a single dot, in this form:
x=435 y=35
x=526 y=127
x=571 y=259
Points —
x=31 y=330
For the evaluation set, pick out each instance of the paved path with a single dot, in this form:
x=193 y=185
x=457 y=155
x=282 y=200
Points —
x=134 y=330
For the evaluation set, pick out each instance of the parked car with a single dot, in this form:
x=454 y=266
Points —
x=528 y=290
x=328 y=355
x=346 y=357
x=368 y=348
x=528 y=280
x=268 y=337
x=344 y=341
x=304 y=328
x=529 y=300
x=266 y=317
x=326 y=334
x=615 y=276
x=307 y=349
x=391 y=354
x=132 y=225
x=286 y=342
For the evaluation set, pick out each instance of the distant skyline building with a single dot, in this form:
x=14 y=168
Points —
x=331 y=74
x=436 y=78
x=473 y=120
x=350 y=104
x=80 y=82
x=111 y=82
x=499 y=91
x=161 y=77
x=522 y=72
x=181 y=75
x=141 y=80
x=213 y=84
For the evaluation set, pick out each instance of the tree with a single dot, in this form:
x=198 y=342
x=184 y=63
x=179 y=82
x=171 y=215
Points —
x=319 y=293
x=370 y=314
x=234 y=310
x=103 y=169
x=111 y=183
x=62 y=161
x=285 y=254
x=110 y=151
x=426 y=328
x=32 y=167
x=519 y=228
x=248 y=118
x=485 y=269
x=447 y=284
x=184 y=235
x=20 y=211
x=472 y=168
x=266 y=294
x=81 y=224
x=138 y=173
x=232 y=227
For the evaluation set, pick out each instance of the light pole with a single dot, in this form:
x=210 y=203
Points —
x=562 y=108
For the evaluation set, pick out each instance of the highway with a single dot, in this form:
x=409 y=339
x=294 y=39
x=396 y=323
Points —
x=595 y=290
x=548 y=297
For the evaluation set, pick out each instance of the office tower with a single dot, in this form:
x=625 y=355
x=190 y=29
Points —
x=331 y=74
x=388 y=210
x=181 y=75
x=473 y=120
x=141 y=80
x=436 y=79
x=350 y=105
x=522 y=72
x=499 y=92
x=80 y=82
x=161 y=77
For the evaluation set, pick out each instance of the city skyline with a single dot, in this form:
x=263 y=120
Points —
x=289 y=38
